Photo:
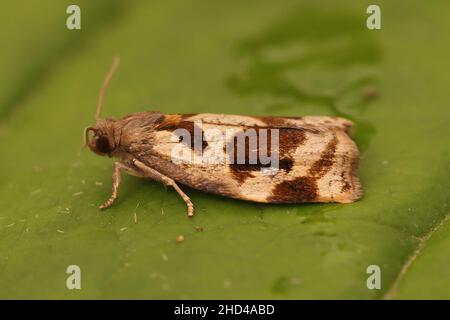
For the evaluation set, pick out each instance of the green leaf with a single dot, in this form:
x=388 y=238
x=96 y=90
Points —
x=244 y=57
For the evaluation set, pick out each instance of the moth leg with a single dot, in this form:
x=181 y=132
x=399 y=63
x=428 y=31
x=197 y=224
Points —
x=153 y=174
x=117 y=169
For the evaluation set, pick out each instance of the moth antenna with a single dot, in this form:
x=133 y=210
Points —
x=105 y=84
x=84 y=145
x=85 y=139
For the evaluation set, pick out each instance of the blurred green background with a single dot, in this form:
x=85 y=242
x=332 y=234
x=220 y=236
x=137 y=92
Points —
x=245 y=57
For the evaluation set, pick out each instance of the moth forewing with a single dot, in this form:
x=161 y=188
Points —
x=317 y=163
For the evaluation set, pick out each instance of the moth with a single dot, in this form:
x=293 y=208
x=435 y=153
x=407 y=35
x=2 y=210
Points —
x=281 y=159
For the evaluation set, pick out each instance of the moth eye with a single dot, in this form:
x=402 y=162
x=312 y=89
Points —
x=102 y=144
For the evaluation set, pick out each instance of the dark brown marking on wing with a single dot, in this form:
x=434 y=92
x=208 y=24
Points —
x=283 y=123
x=289 y=140
x=320 y=167
x=276 y=121
x=243 y=171
x=304 y=189
x=169 y=123
x=286 y=164
x=159 y=120
x=272 y=121
x=301 y=189
x=346 y=186
x=188 y=115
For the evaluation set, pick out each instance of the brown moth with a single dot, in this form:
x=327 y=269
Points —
x=316 y=159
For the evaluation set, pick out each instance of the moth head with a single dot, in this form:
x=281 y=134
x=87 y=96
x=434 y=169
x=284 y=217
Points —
x=100 y=138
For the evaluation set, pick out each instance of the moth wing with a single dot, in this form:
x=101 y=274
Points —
x=318 y=159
